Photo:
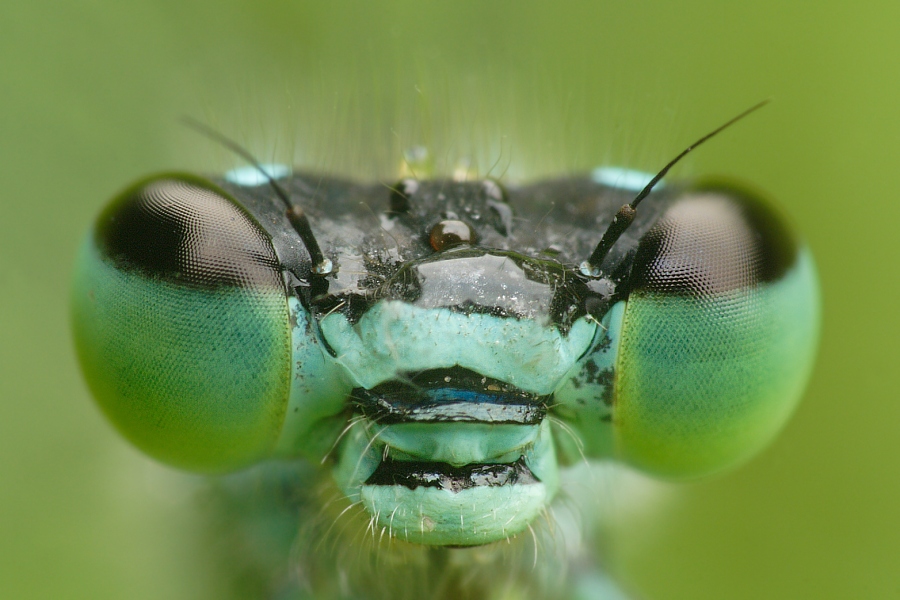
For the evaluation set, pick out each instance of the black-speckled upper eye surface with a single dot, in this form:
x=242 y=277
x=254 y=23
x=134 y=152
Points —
x=178 y=229
x=713 y=241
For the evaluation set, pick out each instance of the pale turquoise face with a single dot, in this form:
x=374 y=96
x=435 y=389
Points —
x=451 y=360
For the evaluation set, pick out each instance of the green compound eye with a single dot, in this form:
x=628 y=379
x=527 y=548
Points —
x=706 y=357
x=182 y=325
x=718 y=334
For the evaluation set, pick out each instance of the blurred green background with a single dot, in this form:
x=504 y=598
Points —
x=90 y=96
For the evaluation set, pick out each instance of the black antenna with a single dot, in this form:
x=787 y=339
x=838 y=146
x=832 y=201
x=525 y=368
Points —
x=625 y=216
x=295 y=215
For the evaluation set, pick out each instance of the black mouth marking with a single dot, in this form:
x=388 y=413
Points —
x=454 y=395
x=413 y=474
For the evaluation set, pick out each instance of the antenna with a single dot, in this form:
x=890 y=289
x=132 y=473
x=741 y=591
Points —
x=625 y=215
x=295 y=214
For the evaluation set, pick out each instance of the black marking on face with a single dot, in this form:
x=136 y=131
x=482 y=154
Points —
x=414 y=474
x=377 y=236
x=480 y=203
x=591 y=374
x=452 y=395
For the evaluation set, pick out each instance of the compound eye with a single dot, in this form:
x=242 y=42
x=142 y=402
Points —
x=718 y=334
x=181 y=324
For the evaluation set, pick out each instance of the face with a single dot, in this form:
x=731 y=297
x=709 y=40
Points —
x=446 y=350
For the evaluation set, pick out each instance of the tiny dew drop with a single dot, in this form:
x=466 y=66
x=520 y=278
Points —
x=449 y=233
